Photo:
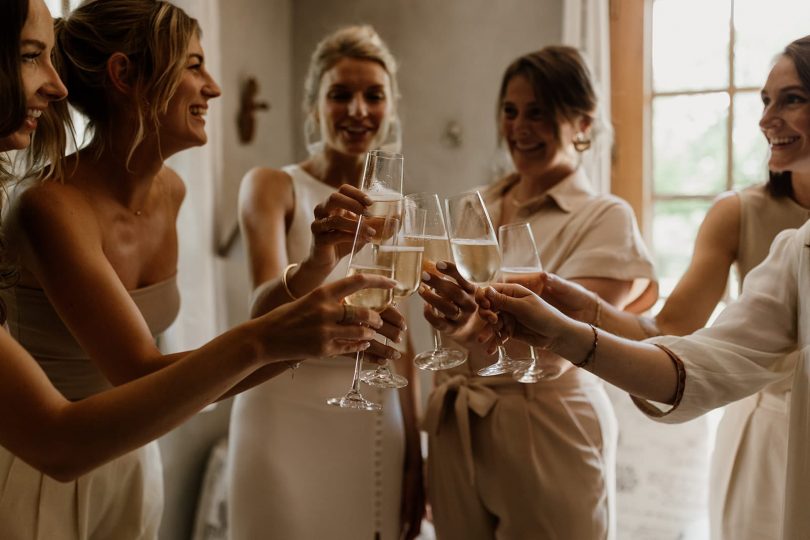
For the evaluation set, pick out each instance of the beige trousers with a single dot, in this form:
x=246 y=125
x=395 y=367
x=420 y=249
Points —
x=512 y=461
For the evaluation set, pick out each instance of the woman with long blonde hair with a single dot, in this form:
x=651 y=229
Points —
x=61 y=421
x=372 y=461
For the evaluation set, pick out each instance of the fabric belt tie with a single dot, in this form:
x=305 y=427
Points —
x=471 y=395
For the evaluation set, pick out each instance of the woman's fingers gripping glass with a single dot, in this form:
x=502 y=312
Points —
x=335 y=224
x=393 y=329
x=535 y=322
x=449 y=303
x=351 y=328
x=571 y=298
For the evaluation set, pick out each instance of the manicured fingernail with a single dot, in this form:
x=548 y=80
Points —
x=370 y=231
x=425 y=276
x=441 y=265
x=365 y=346
x=394 y=355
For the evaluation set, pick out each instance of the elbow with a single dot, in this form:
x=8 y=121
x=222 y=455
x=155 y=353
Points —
x=61 y=466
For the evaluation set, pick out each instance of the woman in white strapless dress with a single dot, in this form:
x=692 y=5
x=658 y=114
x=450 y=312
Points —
x=299 y=468
x=97 y=282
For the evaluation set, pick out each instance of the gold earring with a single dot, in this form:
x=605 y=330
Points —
x=581 y=142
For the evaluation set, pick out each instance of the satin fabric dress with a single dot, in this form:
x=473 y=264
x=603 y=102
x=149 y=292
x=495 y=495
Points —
x=299 y=468
x=121 y=500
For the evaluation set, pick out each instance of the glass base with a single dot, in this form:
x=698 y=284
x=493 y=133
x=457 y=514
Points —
x=502 y=366
x=439 y=359
x=533 y=374
x=354 y=400
x=383 y=378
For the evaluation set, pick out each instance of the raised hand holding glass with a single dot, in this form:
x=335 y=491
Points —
x=407 y=254
x=369 y=258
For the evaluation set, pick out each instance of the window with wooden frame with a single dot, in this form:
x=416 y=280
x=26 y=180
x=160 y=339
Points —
x=686 y=107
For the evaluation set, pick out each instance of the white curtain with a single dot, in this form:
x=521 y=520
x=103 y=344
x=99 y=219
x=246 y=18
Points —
x=586 y=26
x=200 y=317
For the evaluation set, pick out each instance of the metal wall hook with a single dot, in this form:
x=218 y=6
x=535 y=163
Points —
x=248 y=105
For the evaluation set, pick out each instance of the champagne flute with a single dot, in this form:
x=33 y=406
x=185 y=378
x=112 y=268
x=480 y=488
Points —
x=520 y=264
x=382 y=182
x=365 y=259
x=407 y=254
x=475 y=249
x=436 y=248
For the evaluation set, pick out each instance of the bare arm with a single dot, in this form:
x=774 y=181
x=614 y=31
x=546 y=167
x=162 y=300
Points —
x=694 y=298
x=638 y=368
x=266 y=206
x=66 y=439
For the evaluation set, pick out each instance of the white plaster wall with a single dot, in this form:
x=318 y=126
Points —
x=256 y=41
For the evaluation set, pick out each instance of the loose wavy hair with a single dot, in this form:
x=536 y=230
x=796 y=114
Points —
x=153 y=34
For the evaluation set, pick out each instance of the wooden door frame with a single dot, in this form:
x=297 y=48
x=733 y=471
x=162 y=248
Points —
x=630 y=61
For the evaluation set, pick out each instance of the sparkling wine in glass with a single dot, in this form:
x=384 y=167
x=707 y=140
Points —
x=382 y=182
x=478 y=259
x=407 y=255
x=520 y=263
x=375 y=259
x=436 y=247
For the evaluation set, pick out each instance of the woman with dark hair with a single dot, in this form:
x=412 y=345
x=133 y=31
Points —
x=751 y=444
x=755 y=345
x=512 y=460
x=66 y=438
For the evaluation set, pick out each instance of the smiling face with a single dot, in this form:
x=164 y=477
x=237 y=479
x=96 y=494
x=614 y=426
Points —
x=354 y=105
x=538 y=148
x=183 y=124
x=785 y=118
x=40 y=82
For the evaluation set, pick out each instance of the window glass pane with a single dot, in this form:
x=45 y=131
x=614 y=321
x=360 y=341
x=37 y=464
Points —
x=675 y=226
x=750 y=147
x=690 y=44
x=689 y=144
x=762 y=29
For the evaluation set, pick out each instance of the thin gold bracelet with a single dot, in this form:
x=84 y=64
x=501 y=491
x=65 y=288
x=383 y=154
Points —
x=592 y=353
x=284 y=280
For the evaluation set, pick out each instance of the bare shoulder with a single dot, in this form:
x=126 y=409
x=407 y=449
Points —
x=725 y=212
x=720 y=229
x=175 y=185
x=51 y=207
x=265 y=188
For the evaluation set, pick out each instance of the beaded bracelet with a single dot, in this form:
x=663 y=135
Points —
x=592 y=353
x=284 y=280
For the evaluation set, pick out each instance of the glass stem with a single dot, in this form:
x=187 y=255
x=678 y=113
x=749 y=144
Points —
x=533 y=355
x=501 y=354
x=358 y=367
x=383 y=368
x=437 y=340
